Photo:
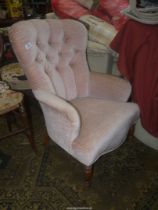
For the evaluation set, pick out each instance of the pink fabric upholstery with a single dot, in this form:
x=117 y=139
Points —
x=50 y=49
x=105 y=126
x=85 y=113
x=104 y=86
x=62 y=119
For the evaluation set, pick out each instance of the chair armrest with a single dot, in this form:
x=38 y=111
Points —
x=62 y=119
x=109 y=87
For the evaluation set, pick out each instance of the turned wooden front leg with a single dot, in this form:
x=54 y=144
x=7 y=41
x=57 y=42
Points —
x=88 y=171
x=131 y=131
x=29 y=131
x=46 y=138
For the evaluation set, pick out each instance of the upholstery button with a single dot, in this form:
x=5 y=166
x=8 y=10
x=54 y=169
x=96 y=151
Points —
x=37 y=43
x=76 y=50
x=48 y=57
x=66 y=39
x=50 y=43
x=51 y=58
x=39 y=58
x=71 y=65
x=41 y=45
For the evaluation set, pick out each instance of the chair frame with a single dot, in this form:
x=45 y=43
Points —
x=21 y=113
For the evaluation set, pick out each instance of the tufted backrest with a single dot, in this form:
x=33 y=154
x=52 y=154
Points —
x=52 y=54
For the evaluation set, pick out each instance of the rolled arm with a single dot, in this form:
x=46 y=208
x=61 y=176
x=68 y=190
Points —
x=62 y=119
x=109 y=87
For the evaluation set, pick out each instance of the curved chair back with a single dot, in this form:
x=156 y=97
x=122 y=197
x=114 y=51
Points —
x=54 y=53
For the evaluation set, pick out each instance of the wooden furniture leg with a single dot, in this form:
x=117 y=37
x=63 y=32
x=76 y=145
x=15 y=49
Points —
x=88 y=171
x=46 y=138
x=131 y=131
x=28 y=129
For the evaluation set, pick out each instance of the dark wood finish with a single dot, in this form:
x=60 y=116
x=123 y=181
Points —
x=46 y=138
x=9 y=119
x=23 y=127
x=88 y=171
x=1 y=49
x=8 y=21
x=27 y=126
x=131 y=131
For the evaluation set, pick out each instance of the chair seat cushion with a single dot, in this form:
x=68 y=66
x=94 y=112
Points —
x=105 y=125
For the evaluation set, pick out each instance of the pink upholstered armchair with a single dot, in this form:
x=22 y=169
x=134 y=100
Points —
x=85 y=113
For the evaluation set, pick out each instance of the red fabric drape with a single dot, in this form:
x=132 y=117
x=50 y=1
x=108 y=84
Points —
x=137 y=45
x=68 y=9
x=107 y=10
